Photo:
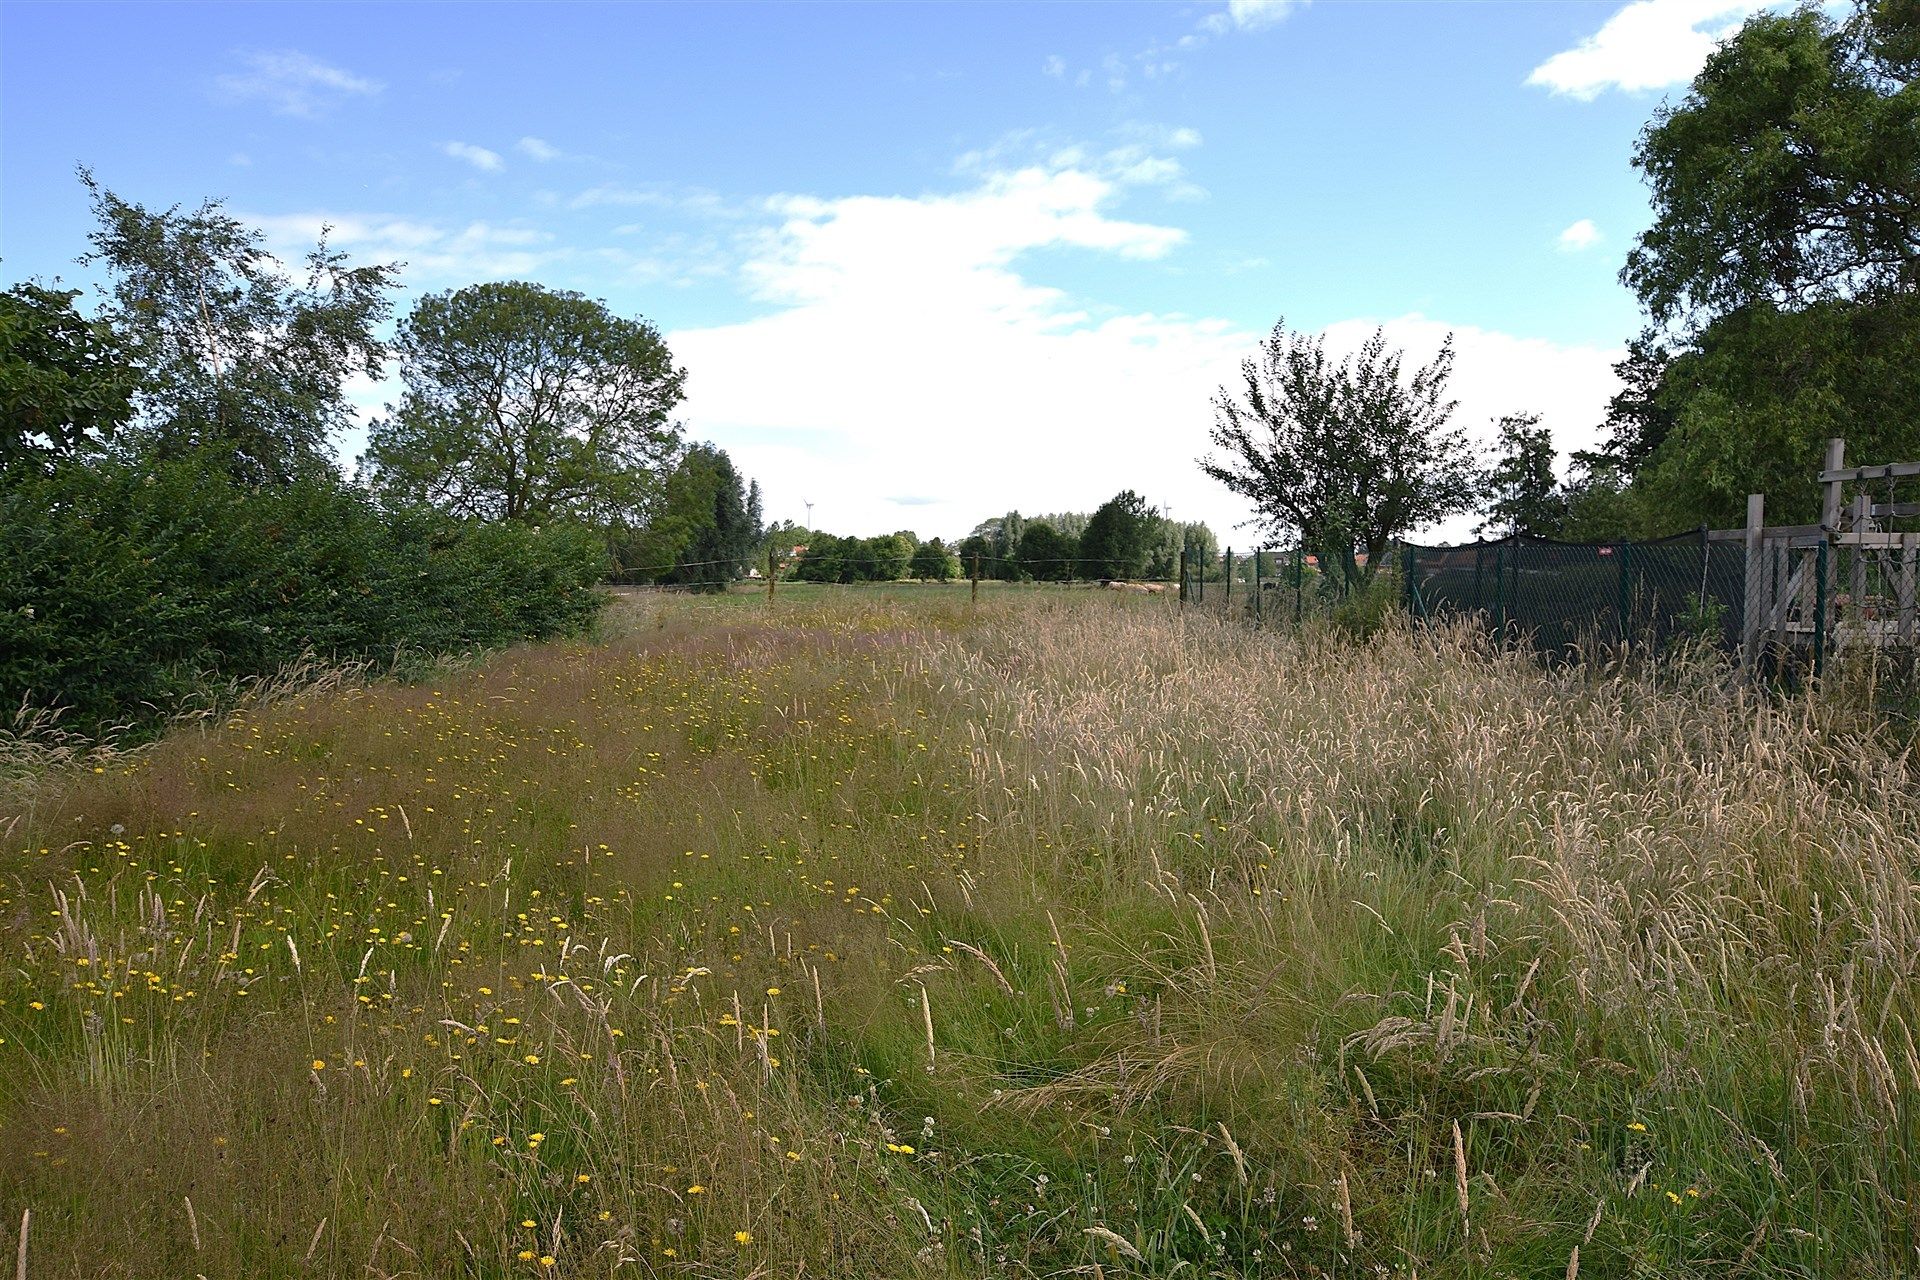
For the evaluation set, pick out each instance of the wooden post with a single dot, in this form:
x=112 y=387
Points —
x=1830 y=505
x=1754 y=595
x=1829 y=564
x=975 y=598
x=1227 y=606
x=1299 y=582
x=1183 y=577
x=769 y=575
x=1259 y=599
x=1823 y=566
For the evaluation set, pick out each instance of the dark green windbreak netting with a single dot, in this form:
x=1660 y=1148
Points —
x=1581 y=596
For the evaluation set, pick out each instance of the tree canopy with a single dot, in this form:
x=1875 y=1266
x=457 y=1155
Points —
x=1343 y=455
x=1522 y=495
x=66 y=381
x=241 y=357
x=1790 y=173
x=1782 y=274
x=526 y=403
x=1119 y=537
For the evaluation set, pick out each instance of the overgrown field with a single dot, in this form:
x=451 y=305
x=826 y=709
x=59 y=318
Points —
x=872 y=936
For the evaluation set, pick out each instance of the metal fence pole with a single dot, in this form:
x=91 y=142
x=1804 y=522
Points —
x=1183 y=577
x=1499 y=589
x=1259 y=596
x=1226 y=601
x=1299 y=582
x=1406 y=569
x=1626 y=597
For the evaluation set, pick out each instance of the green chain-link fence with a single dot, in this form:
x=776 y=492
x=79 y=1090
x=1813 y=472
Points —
x=1580 y=596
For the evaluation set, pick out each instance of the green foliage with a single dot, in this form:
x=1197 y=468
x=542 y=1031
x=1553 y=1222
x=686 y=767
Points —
x=528 y=403
x=1344 y=456
x=703 y=530
x=1787 y=174
x=1046 y=554
x=1785 y=252
x=1522 y=496
x=932 y=562
x=66 y=382
x=1119 y=537
x=241 y=358
x=128 y=591
x=1760 y=393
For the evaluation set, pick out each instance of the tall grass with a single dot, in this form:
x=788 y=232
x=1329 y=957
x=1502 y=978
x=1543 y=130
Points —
x=875 y=935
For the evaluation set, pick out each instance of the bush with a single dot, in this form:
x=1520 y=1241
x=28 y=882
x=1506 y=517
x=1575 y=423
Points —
x=128 y=592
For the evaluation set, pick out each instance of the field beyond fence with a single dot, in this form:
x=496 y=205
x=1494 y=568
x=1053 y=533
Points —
x=882 y=934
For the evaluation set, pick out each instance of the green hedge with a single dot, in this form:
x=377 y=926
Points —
x=127 y=592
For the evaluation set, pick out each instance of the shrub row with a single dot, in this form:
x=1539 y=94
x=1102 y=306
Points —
x=127 y=593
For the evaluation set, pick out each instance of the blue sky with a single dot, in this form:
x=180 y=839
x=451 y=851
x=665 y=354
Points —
x=923 y=262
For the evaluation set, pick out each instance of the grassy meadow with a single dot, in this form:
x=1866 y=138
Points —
x=874 y=934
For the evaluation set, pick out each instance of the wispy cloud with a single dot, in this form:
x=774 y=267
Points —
x=538 y=149
x=479 y=157
x=1649 y=44
x=1055 y=66
x=292 y=83
x=1580 y=236
x=1248 y=15
x=434 y=253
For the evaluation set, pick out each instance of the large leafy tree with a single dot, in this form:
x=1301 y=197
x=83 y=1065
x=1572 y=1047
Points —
x=244 y=357
x=527 y=403
x=1784 y=267
x=1345 y=455
x=66 y=381
x=1790 y=172
x=1521 y=495
x=933 y=562
x=1046 y=554
x=1119 y=537
x=702 y=531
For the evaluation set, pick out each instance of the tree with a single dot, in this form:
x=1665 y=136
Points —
x=1344 y=456
x=702 y=531
x=932 y=562
x=527 y=403
x=1784 y=258
x=1640 y=415
x=827 y=559
x=66 y=382
x=882 y=558
x=1790 y=173
x=1522 y=496
x=241 y=357
x=1045 y=553
x=1118 y=537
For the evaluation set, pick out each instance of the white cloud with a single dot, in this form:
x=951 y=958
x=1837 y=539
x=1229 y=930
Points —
x=292 y=83
x=1581 y=235
x=479 y=157
x=435 y=255
x=908 y=354
x=1650 y=44
x=1055 y=66
x=538 y=149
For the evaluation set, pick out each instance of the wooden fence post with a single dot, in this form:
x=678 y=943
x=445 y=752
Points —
x=1227 y=600
x=1754 y=591
x=975 y=598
